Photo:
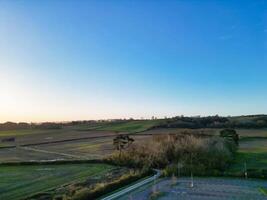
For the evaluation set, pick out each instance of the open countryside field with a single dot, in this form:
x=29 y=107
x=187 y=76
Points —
x=81 y=142
x=77 y=149
x=252 y=154
x=71 y=142
x=243 y=133
x=131 y=127
x=104 y=128
x=127 y=126
x=53 y=135
x=32 y=136
x=55 y=144
x=96 y=148
x=26 y=180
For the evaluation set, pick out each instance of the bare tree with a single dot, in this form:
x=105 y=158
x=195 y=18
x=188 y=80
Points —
x=122 y=142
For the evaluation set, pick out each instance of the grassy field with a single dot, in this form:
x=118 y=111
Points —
x=83 y=141
x=22 y=132
x=252 y=161
x=120 y=126
x=17 y=181
x=31 y=136
x=252 y=151
x=93 y=148
x=131 y=126
x=81 y=149
x=22 y=181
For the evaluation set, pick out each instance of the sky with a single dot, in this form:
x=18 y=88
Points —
x=81 y=60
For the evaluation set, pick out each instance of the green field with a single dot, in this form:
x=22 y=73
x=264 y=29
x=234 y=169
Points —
x=121 y=126
x=252 y=148
x=252 y=151
x=25 y=132
x=131 y=126
x=252 y=160
x=27 y=180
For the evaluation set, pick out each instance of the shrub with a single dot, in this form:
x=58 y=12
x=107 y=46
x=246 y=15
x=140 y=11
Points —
x=103 y=188
x=254 y=173
x=230 y=134
x=202 y=155
x=264 y=173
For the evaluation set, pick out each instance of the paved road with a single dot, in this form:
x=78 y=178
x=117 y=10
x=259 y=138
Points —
x=204 y=189
x=133 y=187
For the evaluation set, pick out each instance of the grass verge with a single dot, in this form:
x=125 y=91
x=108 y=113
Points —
x=27 y=180
x=263 y=191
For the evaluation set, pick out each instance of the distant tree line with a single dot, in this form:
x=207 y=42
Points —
x=251 y=121
x=54 y=125
x=22 y=125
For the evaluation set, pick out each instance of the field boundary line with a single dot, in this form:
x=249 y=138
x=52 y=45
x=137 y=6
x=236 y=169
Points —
x=51 y=152
x=74 y=139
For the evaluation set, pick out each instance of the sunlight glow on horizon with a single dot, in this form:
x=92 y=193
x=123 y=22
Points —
x=64 y=61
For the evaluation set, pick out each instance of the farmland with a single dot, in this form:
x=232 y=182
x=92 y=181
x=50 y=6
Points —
x=57 y=145
x=26 y=180
x=133 y=100
x=70 y=142
x=89 y=142
x=252 y=153
x=95 y=141
x=131 y=126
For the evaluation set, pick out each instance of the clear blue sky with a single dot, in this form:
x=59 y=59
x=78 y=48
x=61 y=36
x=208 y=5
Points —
x=70 y=60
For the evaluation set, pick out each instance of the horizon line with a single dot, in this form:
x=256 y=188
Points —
x=129 y=118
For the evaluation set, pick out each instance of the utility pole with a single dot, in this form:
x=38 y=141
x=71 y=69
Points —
x=192 y=180
x=245 y=167
x=178 y=167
